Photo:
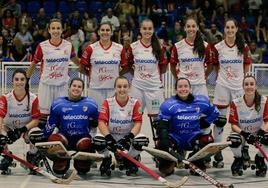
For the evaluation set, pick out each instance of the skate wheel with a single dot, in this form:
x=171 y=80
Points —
x=240 y=173
x=218 y=164
x=6 y=172
x=108 y=173
x=13 y=164
x=112 y=167
x=253 y=167
x=128 y=173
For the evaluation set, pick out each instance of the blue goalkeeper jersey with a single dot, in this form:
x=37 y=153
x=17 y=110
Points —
x=72 y=118
x=184 y=117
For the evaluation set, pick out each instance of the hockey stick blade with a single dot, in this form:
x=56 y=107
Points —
x=176 y=184
x=42 y=171
x=257 y=145
x=171 y=157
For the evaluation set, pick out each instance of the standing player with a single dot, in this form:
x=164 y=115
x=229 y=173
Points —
x=18 y=114
x=70 y=121
x=182 y=125
x=148 y=59
x=55 y=55
x=249 y=121
x=231 y=57
x=120 y=124
x=189 y=56
x=103 y=60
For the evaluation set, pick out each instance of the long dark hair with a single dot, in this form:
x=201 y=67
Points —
x=240 y=43
x=154 y=41
x=26 y=85
x=199 y=46
x=257 y=97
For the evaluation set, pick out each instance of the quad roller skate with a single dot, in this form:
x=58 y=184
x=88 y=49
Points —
x=105 y=167
x=131 y=168
x=35 y=159
x=247 y=162
x=218 y=163
x=261 y=167
x=5 y=163
x=237 y=166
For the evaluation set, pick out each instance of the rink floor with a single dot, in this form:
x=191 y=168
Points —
x=20 y=179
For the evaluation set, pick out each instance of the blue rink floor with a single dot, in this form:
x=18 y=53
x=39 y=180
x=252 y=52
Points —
x=20 y=179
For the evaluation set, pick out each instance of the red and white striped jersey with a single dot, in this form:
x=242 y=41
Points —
x=120 y=118
x=104 y=64
x=146 y=67
x=231 y=64
x=15 y=112
x=189 y=65
x=246 y=117
x=55 y=61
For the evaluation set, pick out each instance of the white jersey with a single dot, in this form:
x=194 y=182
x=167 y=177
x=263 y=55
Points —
x=246 y=117
x=190 y=66
x=55 y=61
x=104 y=64
x=120 y=118
x=17 y=113
x=231 y=65
x=146 y=67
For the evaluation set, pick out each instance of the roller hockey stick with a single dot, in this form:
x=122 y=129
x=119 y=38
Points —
x=257 y=145
x=152 y=173
x=42 y=171
x=175 y=156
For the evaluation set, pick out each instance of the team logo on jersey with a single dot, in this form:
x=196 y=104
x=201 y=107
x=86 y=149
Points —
x=85 y=108
x=197 y=109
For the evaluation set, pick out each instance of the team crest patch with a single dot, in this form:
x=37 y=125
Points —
x=84 y=108
x=197 y=109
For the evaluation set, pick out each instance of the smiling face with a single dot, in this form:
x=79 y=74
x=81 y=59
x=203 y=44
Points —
x=191 y=28
x=76 y=89
x=147 y=29
x=105 y=32
x=183 y=88
x=19 y=81
x=249 y=86
x=55 y=30
x=230 y=29
x=121 y=88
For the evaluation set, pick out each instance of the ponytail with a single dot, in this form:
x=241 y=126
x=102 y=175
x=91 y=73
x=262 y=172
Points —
x=156 y=47
x=199 y=46
x=257 y=101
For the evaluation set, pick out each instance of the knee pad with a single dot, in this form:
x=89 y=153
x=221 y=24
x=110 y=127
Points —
x=36 y=135
x=60 y=166
x=205 y=140
x=99 y=143
x=264 y=139
x=82 y=166
x=236 y=140
x=140 y=141
x=58 y=137
x=84 y=144
x=220 y=121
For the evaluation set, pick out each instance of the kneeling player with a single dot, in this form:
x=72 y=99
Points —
x=120 y=123
x=249 y=121
x=181 y=126
x=18 y=114
x=70 y=121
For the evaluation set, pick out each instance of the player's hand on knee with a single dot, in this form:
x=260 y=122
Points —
x=111 y=143
x=250 y=138
x=263 y=137
x=16 y=133
x=126 y=141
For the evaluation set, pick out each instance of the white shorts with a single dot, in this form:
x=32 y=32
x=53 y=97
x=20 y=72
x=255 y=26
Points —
x=149 y=99
x=48 y=93
x=200 y=90
x=223 y=95
x=99 y=95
